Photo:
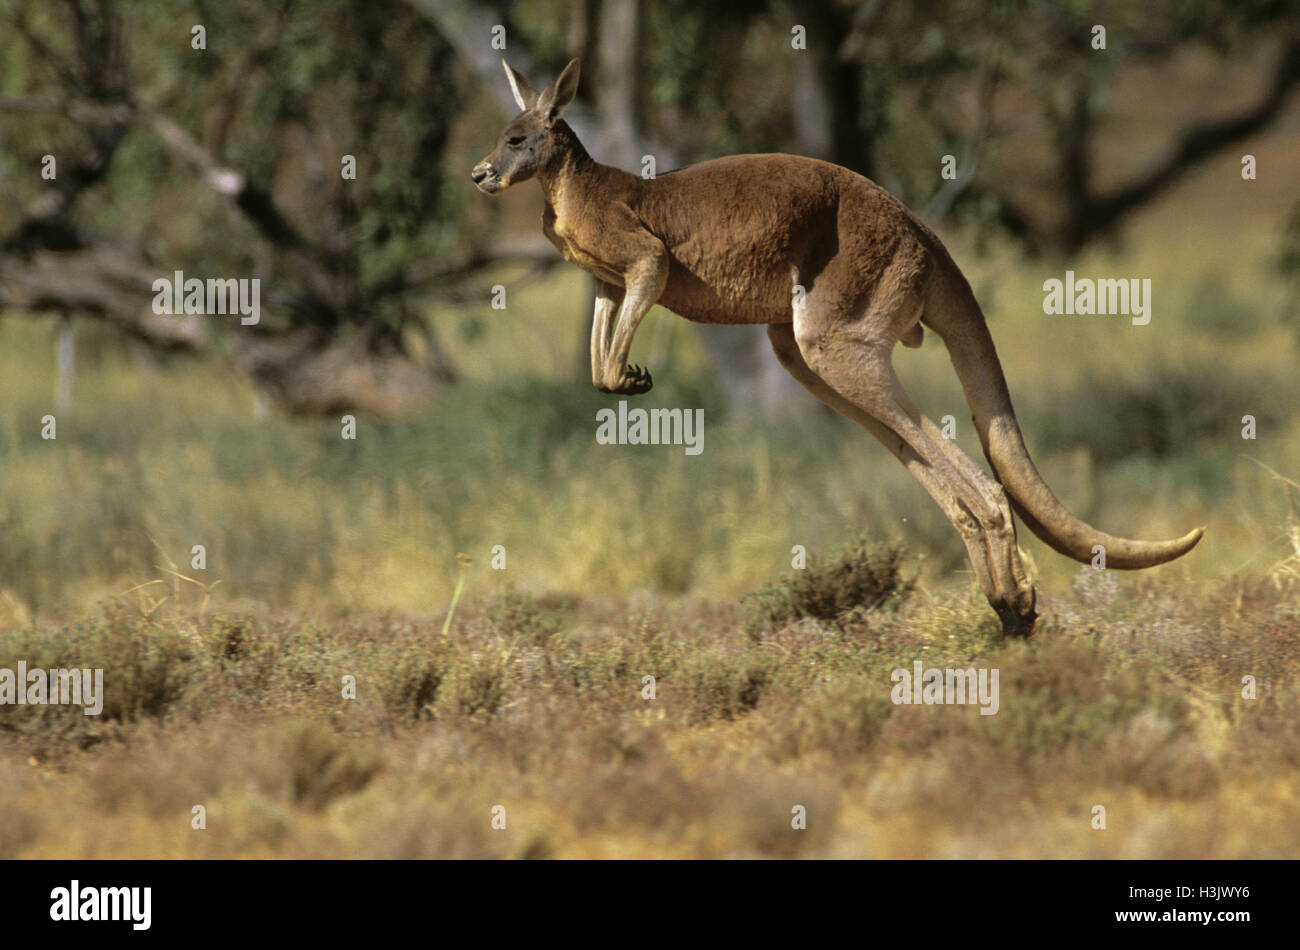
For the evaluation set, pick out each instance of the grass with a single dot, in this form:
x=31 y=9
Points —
x=541 y=709
x=860 y=579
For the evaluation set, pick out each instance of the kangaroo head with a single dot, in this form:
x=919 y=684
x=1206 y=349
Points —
x=528 y=144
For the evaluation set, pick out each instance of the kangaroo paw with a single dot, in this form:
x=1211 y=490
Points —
x=636 y=380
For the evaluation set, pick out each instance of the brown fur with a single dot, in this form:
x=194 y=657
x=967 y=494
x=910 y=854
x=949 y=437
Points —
x=728 y=241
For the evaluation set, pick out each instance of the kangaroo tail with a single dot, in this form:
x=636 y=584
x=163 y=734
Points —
x=976 y=361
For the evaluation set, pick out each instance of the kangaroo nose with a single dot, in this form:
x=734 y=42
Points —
x=480 y=172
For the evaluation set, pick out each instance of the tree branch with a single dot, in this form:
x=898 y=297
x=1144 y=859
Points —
x=1195 y=145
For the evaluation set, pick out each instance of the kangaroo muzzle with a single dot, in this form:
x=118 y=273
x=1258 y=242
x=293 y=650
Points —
x=487 y=178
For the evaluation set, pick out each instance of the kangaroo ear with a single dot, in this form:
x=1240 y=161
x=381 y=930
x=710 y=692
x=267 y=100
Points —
x=524 y=92
x=554 y=98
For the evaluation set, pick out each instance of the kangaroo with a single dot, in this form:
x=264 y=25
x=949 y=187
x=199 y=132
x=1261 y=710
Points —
x=732 y=240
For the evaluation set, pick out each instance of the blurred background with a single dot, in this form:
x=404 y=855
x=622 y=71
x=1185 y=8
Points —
x=219 y=152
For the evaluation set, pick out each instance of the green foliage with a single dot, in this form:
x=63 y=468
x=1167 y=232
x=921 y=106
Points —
x=284 y=97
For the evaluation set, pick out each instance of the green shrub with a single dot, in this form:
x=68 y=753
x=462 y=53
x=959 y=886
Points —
x=862 y=576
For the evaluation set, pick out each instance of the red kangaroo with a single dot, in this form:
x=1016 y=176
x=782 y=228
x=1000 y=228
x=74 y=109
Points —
x=730 y=241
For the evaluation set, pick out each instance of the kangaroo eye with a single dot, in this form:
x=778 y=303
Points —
x=515 y=141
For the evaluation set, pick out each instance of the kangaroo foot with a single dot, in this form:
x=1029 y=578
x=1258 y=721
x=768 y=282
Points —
x=635 y=380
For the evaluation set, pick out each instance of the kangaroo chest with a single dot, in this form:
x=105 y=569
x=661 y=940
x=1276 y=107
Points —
x=573 y=252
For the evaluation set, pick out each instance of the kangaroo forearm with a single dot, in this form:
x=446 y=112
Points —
x=612 y=374
x=630 y=315
x=608 y=299
x=644 y=283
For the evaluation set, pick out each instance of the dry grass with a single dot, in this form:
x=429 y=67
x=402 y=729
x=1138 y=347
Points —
x=1130 y=698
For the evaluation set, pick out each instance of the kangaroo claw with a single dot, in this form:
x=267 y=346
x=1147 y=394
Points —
x=636 y=380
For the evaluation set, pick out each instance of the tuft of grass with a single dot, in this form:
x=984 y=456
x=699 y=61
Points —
x=410 y=678
x=724 y=687
x=863 y=576
x=520 y=618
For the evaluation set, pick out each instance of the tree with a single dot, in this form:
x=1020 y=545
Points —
x=236 y=163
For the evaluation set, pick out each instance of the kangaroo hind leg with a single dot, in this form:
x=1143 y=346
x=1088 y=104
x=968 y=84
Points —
x=853 y=359
x=968 y=526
